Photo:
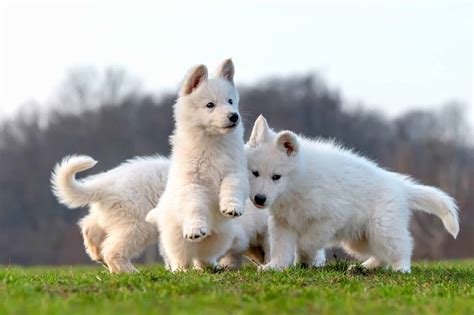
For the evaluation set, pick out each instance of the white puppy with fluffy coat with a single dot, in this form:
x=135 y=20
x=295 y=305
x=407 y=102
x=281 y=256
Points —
x=114 y=231
x=322 y=195
x=208 y=182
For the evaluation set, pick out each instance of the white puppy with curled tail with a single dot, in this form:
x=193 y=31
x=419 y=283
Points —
x=321 y=195
x=208 y=183
x=114 y=231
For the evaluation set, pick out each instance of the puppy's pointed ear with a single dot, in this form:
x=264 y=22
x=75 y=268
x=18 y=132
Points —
x=194 y=78
x=226 y=70
x=287 y=142
x=260 y=132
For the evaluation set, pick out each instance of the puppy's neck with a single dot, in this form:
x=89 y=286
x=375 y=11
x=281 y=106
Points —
x=198 y=141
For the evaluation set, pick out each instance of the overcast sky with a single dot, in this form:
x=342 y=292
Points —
x=391 y=55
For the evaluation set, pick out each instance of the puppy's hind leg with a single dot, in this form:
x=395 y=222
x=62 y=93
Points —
x=390 y=241
x=232 y=260
x=93 y=235
x=178 y=252
x=214 y=247
x=235 y=255
x=124 y=243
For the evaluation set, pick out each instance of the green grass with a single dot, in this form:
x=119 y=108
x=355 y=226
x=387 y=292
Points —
x=436 y=288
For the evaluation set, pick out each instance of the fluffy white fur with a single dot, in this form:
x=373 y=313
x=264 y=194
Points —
x=114 y=231
x=328 y=196
x=208 y=183
x=250 y=238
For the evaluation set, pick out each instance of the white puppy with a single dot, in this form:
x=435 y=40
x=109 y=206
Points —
x=208 y=182
x=323 y=195
x=114 y=231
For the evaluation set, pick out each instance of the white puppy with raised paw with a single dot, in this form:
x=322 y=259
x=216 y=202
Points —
x=208 y=182
x=114 y=231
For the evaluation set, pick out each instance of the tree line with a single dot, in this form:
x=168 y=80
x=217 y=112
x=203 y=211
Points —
x=108 y=116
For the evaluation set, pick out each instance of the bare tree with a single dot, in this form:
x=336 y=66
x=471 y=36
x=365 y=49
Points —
x=88 y=88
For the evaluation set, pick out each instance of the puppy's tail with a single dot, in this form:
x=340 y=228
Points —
x=434 y=201
x=66 y=188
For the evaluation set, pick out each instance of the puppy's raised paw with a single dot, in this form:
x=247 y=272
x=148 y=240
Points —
x=195 y=231
x=231 y=210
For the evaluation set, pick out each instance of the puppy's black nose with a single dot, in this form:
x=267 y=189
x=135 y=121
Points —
x=233 y=117
x=260 y=199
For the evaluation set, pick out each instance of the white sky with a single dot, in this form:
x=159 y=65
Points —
x=391 y=55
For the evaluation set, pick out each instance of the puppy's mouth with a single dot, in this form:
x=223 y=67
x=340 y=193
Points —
x=233 y=125
x=259 y=206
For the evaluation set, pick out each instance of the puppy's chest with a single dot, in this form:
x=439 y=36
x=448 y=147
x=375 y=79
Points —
x=288 y=216
x=294 y=215
x=209 y=170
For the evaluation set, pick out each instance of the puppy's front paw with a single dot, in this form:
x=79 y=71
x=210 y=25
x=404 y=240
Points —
x=269 y=266
x=231 y=209
x=319 y=263
x=195 y=231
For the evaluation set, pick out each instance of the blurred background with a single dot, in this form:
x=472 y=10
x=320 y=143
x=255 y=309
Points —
x=391 y=79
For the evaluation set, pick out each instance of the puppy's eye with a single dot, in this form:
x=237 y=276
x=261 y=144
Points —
x=256 y=173
x=210 y=105
x=276 y=177
x=231 y=101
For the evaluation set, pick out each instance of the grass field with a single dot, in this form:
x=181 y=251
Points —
x=436 y=288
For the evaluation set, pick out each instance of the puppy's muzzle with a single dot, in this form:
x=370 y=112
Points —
x=233 y=117
x=260 y=200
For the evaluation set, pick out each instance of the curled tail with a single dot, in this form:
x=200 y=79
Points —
x=434 y=201
x=66 y=188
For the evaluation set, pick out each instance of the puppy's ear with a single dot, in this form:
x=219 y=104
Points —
x=287 y=142
x=194 y=78
x=151 y=217
x=226 y=70
x=260 y=132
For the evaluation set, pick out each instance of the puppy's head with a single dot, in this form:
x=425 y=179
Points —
x=272 y=160
x=211 y=105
